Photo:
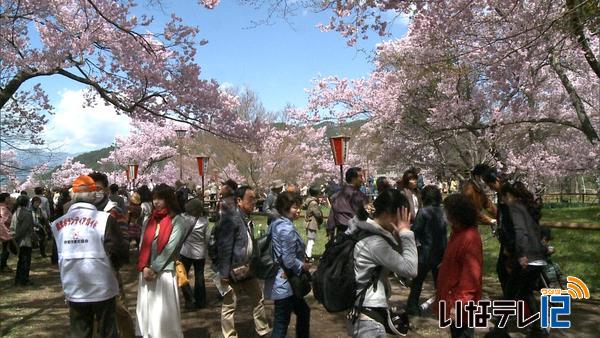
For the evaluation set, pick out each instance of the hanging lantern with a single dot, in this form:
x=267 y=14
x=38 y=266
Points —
x=180 y=133
x=339 y=148
x=202 y=164
x=132 y=171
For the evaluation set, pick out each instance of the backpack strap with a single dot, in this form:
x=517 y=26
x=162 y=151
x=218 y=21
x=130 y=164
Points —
x=375 y=274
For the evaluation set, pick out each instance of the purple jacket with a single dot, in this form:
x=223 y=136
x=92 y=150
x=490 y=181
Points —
x=344 y=205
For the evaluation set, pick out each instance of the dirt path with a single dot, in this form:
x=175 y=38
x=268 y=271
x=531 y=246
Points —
x=40 y=310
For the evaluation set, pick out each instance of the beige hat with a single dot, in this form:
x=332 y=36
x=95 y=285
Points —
x=277 y=184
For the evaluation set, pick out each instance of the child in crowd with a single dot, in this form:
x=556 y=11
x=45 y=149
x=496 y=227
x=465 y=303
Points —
x=460 y=273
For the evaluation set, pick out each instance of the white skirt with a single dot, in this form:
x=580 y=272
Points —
x=157 y=308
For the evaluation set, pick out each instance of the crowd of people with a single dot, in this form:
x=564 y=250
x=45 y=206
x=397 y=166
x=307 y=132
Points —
x=402 y=232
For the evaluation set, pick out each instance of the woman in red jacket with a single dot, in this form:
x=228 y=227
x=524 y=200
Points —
x=460 y=273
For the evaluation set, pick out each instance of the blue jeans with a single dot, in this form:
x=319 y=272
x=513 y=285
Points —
x=283 y=312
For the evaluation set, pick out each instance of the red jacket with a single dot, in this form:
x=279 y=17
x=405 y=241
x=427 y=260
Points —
x=460 y=273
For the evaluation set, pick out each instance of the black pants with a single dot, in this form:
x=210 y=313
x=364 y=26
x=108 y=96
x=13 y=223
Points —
x=43 y=239
x=417 y=285
x=83 y=315
x=4 y=255
x=199 y=293
x=520 y=284
x=463 y=332
x=54 y=257
x=23 y=266
x=501 y=269
x=283 y=313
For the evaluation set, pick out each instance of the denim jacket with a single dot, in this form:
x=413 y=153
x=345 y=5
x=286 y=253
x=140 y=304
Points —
x=288 y=249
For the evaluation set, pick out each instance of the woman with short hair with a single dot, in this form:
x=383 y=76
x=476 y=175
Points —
x=193 y=253
x=431 y=237
x=460 y=273
x=40 y=223
x=22 y=227
x=289 y=252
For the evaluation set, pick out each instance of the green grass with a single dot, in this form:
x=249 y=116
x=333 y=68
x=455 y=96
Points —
x=260 y=227
x=576 y=254
x=586 y=214
x=577 y=251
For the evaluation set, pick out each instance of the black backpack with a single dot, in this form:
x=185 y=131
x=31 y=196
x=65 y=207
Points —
x=262 y=264
x=334 y=283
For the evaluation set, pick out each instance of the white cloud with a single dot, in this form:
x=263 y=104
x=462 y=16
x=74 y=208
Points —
x=80 y=129
x=398 y=18
x=226 y=85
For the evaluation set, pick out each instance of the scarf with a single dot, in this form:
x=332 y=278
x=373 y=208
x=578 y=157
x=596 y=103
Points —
x=161 y=219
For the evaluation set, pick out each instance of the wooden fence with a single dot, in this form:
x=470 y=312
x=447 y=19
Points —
x=571 y=198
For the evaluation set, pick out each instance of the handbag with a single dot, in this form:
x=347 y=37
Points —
x=240 y=273
x=182 y=278
x=181 y=274
x=301 y=284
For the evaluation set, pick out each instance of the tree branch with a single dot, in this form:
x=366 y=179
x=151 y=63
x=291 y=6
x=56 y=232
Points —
x=574 y=7
x=586 y=125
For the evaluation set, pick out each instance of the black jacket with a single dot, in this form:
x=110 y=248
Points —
x=232 y=240
x=430 y=230
x=116 y=247
x=519 y=233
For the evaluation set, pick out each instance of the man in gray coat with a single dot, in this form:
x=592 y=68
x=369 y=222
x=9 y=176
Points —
x=234 y=239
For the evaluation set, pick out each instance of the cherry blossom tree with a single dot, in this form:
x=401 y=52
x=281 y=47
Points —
x=143 y=72
x=231 y=172
x=509 y=41
x=8 y=169
x=34 y=178
x=152 y=146
x=64 y=175
x=474 y=81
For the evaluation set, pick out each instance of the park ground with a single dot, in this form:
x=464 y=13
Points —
x=40 y=310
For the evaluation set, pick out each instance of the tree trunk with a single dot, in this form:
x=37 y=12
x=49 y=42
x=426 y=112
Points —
x=574 y=8
x=586 y=124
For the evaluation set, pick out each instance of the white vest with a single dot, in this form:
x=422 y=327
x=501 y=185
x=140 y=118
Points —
x=86 y=272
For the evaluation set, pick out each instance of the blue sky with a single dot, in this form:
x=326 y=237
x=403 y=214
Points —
x=277 y=61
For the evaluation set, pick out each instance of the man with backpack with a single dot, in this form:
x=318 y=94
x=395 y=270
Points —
x=362 y=259
x=346 y=202
x=234 y=243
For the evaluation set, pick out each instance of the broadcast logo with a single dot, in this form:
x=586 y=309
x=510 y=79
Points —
x=557 y=302
x=555 y=305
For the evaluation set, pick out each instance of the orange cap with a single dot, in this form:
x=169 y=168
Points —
x=84 y=183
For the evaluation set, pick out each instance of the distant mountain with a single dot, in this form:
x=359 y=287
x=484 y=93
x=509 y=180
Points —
x=334 y=129
x=34 y=158
x=91 y=158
